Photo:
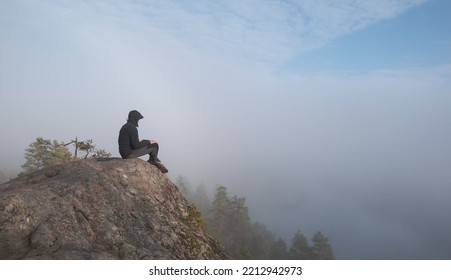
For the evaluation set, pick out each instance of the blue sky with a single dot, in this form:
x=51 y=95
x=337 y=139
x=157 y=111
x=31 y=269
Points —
x=417 y=38
x=334 y=114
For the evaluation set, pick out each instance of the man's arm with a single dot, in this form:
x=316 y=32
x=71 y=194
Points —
x=134 y=139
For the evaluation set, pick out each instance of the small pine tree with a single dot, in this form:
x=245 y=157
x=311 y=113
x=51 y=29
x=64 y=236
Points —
x=322 y=250
x=279 y=250
x=300 y=249
x=101 y=153
x=219 y=215
x=261 y=241
x=239 y=226
x=88 y=147
x=43 y=153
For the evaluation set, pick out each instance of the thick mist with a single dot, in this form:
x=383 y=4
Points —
x=361 y=155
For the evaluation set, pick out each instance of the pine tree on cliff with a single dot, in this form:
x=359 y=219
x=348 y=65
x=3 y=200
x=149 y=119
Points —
x=43 y=153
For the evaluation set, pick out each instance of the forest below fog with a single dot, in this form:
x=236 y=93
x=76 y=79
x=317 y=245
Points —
x=227 y=219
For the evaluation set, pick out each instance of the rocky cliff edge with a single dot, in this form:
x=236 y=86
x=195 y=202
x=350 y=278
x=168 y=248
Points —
x=100 y=209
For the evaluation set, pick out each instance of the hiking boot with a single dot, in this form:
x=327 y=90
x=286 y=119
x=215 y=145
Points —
x=159 y=165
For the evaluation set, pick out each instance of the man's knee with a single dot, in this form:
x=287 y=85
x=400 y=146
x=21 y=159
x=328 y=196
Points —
x=153 y=145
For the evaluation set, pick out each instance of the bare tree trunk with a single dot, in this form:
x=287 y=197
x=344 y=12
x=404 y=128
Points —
x=76 y=147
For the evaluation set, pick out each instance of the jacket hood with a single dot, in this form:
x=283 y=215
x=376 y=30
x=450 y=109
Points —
x=134 y=116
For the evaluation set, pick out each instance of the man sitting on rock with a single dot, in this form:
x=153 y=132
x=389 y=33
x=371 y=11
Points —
x=131 y=147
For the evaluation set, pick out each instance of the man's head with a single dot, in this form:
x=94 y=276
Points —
x=134 y=116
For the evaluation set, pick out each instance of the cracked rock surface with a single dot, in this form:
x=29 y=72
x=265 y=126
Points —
x=100 y=209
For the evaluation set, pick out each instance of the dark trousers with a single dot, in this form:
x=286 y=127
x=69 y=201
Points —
x=150 y=149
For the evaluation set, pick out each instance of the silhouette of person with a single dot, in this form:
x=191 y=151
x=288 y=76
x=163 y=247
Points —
x=131 y=147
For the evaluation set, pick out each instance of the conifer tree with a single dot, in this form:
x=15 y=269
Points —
x=300 y=249
x=261 y=242
x=219 y=217
x=322 y=250
x=43 y=153
x=240 y=228
x=279 y=250
x=88 y=147
x=229 y=222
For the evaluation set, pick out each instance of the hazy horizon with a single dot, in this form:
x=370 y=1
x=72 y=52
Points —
x=334 y=116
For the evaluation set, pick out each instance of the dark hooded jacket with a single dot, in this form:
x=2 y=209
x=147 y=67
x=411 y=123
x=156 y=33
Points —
x=128 y=135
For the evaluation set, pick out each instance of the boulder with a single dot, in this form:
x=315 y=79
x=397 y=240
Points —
x=100 y=209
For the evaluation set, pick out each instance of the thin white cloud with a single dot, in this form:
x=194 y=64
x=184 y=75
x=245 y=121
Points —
x=262 y=31
x=271 y=31
x=76 y=68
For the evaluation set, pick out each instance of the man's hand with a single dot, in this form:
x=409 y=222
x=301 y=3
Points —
x=153 y=141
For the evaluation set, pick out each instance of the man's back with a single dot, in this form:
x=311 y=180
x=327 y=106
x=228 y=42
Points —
x=128 y=139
